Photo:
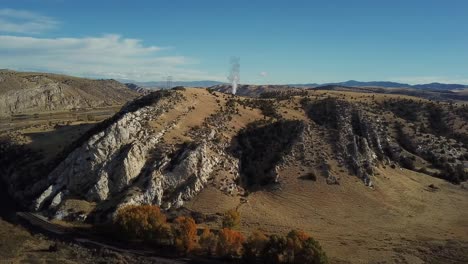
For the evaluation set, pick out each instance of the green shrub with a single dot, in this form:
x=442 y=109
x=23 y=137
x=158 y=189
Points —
x=179 y=88
x=231 y=219
x=297 y=247
x=254 y=247
x=407 y=163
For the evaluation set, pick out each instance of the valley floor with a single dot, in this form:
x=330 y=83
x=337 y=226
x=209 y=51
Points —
x=401 y=220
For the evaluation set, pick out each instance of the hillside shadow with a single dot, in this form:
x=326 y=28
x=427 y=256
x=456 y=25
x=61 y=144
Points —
x=26 y=164
x=51 y=143
x=260 y=147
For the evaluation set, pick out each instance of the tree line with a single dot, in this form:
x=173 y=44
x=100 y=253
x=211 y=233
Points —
x=148 y=223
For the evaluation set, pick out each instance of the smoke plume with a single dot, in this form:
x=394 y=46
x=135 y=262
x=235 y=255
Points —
x=234 y=75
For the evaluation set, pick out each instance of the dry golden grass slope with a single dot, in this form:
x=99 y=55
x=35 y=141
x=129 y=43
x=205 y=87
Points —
x=400 y=220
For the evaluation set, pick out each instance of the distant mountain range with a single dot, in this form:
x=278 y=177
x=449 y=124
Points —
x=353 y=83
x=350 y=83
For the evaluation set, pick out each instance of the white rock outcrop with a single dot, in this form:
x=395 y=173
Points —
x=116 y=165
x=185 y=180
x=107 y=163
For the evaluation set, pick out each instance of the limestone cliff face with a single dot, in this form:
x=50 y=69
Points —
x=357 y=137
x=106 y=163
x=170 y=187
x=360 y=140
x=27 y=93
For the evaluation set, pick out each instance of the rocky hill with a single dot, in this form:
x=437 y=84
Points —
x=138 y=89
x=314 y=159
x=167 y=146
x=26 y=93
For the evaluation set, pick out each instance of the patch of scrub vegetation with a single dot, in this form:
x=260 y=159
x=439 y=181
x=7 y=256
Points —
x=450 y=168
x=231 y=219
x=260 y=147
x=430 y=117
x=267 y=107
x=283 y=95
x=462 y=111
x=404 y=139
x=437 y=123
x=407 y=109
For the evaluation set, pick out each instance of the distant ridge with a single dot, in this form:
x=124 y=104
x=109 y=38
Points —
x=163 y=84
x=353 y=83
x=137 y=88
x=440 y=86
x=350 y=83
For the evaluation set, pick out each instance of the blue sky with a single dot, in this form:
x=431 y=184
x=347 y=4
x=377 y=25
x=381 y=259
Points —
x=277 y=41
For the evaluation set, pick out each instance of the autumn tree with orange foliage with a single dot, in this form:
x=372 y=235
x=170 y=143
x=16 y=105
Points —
x=229 y=242
x=185 y=234
x=208 y=241
x=147 y=222
x=142 y=222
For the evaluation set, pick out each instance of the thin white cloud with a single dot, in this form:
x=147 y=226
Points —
x=264 y=74
x=25 y=22
x=108 y=56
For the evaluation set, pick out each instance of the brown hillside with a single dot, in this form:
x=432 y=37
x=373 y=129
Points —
x=26 y=93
